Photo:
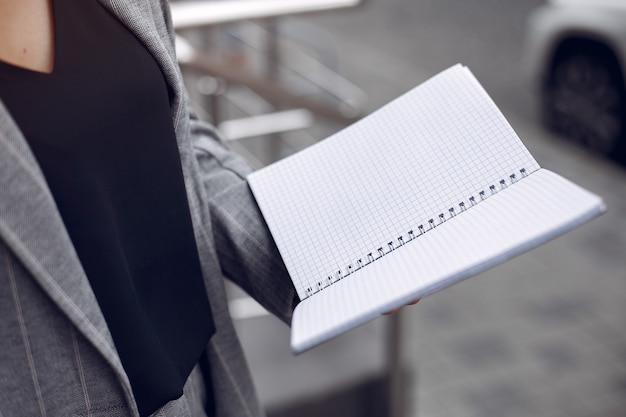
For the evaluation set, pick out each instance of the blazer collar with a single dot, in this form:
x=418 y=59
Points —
x=140 y=16
x=30 y=223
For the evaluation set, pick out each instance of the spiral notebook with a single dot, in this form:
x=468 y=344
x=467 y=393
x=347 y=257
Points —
x=430 y=189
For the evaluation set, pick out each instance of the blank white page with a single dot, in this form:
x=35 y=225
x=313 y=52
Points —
x=428 y=151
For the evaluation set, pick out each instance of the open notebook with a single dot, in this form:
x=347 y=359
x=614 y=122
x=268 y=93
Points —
x=430 y=189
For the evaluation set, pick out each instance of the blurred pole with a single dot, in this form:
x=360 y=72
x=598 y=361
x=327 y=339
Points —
x=212 y=100
x=273 y=57
x=395 y=366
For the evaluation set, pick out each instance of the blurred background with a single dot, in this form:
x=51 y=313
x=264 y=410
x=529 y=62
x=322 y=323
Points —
x=542 y=335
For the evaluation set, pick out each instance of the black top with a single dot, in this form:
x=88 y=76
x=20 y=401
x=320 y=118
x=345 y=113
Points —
x=100 y=127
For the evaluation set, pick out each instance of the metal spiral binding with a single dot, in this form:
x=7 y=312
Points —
x=411 y=235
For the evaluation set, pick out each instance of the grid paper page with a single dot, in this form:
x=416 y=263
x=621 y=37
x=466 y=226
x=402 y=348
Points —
x=330 y=206
x=500 y=228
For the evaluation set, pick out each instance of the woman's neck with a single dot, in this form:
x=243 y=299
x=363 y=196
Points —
x=27 y=34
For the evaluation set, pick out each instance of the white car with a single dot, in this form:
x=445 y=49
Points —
x=576 y=55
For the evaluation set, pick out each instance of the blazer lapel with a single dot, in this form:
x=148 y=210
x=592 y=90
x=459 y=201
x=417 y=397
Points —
x=33 y=230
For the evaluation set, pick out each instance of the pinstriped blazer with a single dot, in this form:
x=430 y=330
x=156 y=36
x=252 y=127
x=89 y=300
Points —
x=57 y=357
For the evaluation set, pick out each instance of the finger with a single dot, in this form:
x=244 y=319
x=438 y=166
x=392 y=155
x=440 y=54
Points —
x=395 y=310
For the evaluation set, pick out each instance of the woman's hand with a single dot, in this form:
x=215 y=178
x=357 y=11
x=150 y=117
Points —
x=395 y=310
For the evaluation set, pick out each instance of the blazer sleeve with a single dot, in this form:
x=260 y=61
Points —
x=246 y=251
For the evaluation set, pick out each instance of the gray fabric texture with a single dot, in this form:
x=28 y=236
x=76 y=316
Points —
x=57 y=357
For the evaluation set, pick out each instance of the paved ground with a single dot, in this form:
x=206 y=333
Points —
x=542 y=335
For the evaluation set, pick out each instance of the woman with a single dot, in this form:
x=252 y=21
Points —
x=115 y=231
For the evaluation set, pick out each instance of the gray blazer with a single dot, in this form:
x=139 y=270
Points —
x=57 y=357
